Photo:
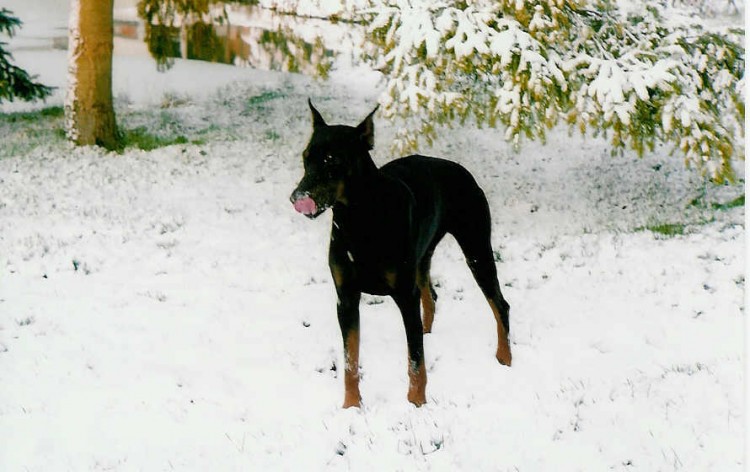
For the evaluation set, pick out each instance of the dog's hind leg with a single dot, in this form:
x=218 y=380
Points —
x=426 y=293
x=474 y=238
x=482 y=266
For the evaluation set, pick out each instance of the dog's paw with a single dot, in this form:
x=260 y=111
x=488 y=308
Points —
x=503 y=355
x=352 y=401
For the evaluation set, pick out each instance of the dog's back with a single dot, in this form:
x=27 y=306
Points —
x=447 y=197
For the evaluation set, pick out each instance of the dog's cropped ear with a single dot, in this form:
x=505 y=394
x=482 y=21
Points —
x=318 y=121
x=366 y=129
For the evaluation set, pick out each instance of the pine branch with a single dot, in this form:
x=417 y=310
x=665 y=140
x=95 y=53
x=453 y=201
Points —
x=14 y=81
x=8 y=23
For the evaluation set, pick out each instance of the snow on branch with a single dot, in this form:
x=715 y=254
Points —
x=640 y=73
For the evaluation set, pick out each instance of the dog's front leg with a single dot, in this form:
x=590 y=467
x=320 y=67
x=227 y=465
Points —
x=408 y=303
x=348 y=314
x=347 y=308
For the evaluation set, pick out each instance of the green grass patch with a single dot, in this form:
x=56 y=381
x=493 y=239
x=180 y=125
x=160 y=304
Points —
x=259 y=102
x=142 y=139
x=264 y=97
x=272 y=135
x=665 y=229
x=700 y=202
x=709 y=211
x=737 y=202
x=25 y=116
x=24 y=131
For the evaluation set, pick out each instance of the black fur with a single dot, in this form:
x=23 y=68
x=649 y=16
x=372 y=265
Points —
x=386 y=224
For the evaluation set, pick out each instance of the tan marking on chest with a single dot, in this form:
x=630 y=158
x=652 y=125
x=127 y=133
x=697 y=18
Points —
x=390 y=278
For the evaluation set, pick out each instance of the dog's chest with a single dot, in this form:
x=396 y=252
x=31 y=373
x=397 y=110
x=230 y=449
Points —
x=374 y=241
x=367 y=246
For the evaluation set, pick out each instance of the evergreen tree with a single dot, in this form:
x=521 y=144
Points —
x=14 y=81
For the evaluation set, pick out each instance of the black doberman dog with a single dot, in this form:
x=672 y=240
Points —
x=386 y=224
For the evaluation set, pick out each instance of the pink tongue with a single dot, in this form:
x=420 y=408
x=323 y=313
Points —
x=305 y=205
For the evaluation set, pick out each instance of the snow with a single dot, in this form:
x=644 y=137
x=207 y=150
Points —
x=170 y=310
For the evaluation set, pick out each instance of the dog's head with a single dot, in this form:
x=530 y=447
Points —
x=334 y=155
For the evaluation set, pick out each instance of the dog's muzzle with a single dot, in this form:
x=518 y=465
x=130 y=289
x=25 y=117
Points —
x=305 y=204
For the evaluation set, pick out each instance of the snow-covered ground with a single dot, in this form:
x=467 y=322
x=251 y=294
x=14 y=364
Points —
x=168 y=310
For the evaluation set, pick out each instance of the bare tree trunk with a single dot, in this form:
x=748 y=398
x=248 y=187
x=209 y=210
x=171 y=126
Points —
x=89 y=114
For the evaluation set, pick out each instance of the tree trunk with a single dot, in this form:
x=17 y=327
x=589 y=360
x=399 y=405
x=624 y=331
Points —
x=89 y=114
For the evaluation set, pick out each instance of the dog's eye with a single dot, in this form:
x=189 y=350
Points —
x=331 y=165
x=330 y=162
